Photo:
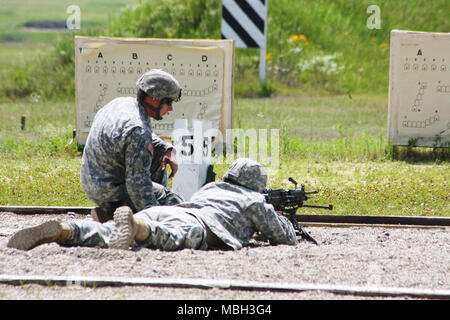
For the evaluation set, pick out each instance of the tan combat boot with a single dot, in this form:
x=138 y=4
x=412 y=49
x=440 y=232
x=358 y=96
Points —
x=127 y=228
x=47 y=232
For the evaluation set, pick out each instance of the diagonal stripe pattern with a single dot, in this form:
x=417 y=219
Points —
x=244 y=21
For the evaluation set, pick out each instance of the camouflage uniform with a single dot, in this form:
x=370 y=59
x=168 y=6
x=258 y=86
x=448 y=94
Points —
x=89 y=233
x=220 y=215
x=122 y=156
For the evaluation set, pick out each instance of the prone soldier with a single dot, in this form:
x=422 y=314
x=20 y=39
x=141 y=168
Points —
x=221 y=215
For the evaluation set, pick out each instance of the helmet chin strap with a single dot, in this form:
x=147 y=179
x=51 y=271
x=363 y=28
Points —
x=156 y=111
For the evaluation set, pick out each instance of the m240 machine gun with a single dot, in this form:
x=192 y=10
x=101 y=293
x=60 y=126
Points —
x=288 y=201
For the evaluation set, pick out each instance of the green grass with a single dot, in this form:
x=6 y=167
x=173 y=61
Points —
x=315 y=118
x=14 y=14
x=43 y=119
x=368 y=188
x=373 y=188
x=48 y=129
x=25 y=52
x=24 y=49
x=319 y=47
x=322 y=128
x=39 y=166
x=332 y=123
x=41 y=181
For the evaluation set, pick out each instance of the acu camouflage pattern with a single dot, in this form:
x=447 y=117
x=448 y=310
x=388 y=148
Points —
x=234 y=213
x=116 y=163
x=89 y=233
x=159 y=85
x=172 y=228
x=247 y=173
x=219 y=211
x=169 y=231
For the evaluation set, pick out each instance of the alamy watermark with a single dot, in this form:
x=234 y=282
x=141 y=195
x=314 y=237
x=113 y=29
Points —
x=73 y=22
x=374 y=20
x=212 y=147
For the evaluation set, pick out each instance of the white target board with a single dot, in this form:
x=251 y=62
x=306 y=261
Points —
x=419 y=88
x=107 y=68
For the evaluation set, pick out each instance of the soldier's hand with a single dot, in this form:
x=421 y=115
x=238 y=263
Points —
x=170 y=159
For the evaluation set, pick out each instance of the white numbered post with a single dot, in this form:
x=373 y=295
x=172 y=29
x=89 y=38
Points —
x=193 y=149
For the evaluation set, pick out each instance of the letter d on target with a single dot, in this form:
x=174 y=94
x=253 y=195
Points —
x=73 y=22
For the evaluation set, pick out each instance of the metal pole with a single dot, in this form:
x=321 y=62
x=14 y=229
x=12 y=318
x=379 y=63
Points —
x=262 y=64
x=263 y=49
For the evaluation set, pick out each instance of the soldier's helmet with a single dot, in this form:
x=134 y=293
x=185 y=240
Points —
x=247 y=173
x=159 y=84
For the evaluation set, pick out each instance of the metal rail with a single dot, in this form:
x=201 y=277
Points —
x=93 y=281
x=373 y=220
x=45 y=210
x=301 y=218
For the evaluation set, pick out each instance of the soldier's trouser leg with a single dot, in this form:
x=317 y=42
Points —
x=87 y=233
x=105 y=210
x=158 y=174
x=172 y=231
x=165 y=196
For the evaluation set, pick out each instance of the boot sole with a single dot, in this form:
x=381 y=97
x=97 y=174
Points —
x=122 y=235
x=29 y=238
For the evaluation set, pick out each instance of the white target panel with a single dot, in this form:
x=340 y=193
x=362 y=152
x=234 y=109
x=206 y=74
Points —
x=107 y=68
x=419 y=88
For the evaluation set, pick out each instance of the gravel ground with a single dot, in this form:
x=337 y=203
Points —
x=417 y=258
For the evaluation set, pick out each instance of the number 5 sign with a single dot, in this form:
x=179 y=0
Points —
x=193 y=151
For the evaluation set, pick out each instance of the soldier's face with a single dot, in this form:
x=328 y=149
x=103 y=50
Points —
x=166 y=106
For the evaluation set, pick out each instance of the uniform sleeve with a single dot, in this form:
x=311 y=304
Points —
x=137 y=170
x=159 y=145
x=273 y=226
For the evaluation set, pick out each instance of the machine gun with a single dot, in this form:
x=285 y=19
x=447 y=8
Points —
x=288 y=201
